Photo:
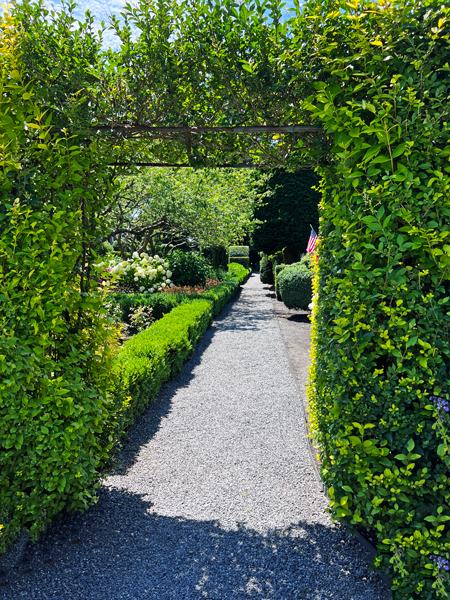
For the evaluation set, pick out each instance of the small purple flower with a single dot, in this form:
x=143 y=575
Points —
x=440 y=403
x=442 y=563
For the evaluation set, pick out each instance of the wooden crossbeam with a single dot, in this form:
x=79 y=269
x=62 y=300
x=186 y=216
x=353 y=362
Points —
x=206 y=129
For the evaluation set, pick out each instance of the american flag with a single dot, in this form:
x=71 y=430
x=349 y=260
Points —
x=312 y=242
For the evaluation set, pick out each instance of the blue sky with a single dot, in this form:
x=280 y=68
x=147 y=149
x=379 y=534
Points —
x=101 y=9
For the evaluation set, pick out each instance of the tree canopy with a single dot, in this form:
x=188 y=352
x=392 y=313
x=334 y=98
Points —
x=182 y=207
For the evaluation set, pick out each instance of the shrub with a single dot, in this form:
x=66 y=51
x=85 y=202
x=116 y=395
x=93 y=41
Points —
x=295 y=286
x=56 y=343
x=189 y=268
x=238 y=251
x=277 y=269
x=266 y=270
x=237 y=271
x=242 y=260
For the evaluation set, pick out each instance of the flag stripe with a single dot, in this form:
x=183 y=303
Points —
x=312 y=242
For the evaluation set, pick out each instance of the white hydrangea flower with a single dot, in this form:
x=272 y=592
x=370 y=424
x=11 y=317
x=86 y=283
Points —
x=136 y=279
x=156 y=257
x=160 y=269
x=124 y=263
x=160 y=289
x=163 y=285
x=171 y=285
x=135 y=255
x=151 y=290
x=167 y=280
x=166 y=265
x=142 y=288
x=169 y=273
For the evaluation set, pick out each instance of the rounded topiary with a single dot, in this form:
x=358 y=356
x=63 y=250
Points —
x=266 y=270
x=295 y=286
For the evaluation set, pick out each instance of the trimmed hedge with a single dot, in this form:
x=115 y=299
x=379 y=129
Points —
x=295 y=286
x=152 y=357
x=276 y=271
x=242 y=260
x=234 y=251
x=266 y=270
x=380 y=379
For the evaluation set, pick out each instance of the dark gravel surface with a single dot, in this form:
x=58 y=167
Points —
x=214 y=496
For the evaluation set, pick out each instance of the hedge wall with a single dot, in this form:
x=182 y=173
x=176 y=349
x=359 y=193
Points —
x=380 y=382
x=286 y=214
x=266 y=270
x=238 y=251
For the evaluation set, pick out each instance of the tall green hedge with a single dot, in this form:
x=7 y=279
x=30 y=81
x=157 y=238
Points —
x=238 y=251
x=286 y=215
x=380 y=386
x=266 y=270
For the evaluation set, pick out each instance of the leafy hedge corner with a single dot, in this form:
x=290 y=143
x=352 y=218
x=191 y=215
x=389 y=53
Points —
x=295 y=286
x=266 y=270
x=242 y=251
x=276 y=271
x=152 y=357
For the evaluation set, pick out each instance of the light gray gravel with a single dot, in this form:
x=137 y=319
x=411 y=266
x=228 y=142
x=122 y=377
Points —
x=215 y=496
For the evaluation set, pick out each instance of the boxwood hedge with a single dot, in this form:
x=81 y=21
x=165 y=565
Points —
x=295 y=286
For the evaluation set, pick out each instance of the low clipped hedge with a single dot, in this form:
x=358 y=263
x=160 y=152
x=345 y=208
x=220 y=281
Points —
x=238 y=251
x=276 y=271
x=295 y=286
x=152 y=357
x=266 y=270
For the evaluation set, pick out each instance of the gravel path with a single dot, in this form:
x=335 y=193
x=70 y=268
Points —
x=215 y=495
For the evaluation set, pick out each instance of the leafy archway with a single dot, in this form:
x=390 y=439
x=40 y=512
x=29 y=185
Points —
x=365 y=87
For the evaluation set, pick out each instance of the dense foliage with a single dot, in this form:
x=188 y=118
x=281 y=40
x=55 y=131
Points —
x=141 y=273
x=56 y=344
x=238 y=251
x=286 y=214
x=276 y=271
x=266 y=270
x=294 y=285
x=162 y=209
x=381 y=372
x=188 y=268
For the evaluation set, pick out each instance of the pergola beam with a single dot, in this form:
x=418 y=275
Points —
x=207 y=129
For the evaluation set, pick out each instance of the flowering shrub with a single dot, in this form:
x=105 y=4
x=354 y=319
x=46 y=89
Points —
x=142 y=273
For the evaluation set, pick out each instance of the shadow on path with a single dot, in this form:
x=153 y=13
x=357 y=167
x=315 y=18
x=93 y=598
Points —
x=121 y=549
